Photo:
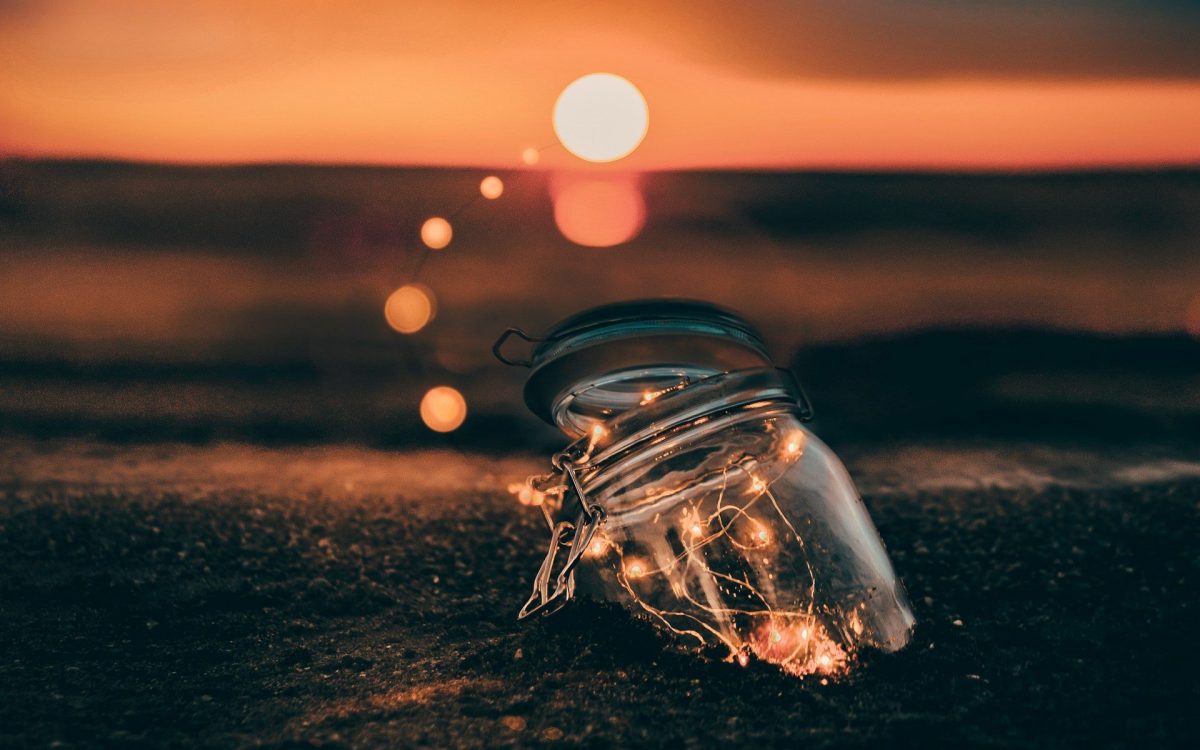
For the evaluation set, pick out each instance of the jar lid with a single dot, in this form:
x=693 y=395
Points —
x=606 y=360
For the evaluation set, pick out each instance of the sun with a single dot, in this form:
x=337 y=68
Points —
x=601 y=117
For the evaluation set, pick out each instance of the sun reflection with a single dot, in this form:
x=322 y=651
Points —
x=443 y=409
x=409 y=308
x=601 y=117
x=599 y=211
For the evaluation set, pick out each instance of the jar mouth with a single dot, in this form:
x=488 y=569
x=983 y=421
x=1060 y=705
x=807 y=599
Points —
x=599 y=400
x=614 y=358
x=683 y=406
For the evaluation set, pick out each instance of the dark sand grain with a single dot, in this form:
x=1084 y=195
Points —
x=289 y=601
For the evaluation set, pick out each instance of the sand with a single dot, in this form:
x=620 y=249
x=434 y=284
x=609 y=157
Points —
x=231 y=595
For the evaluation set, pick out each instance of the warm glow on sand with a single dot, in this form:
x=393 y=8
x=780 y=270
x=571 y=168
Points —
x=599 y=211
x=601 y=117
x=436 y=233
x=492 y=187
x=443 y=409
x=409 y=308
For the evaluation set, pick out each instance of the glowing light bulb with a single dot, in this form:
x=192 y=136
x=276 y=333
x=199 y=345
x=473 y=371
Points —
x=758 y=485
x=597 y=548
x=526 y=495
x=776 y=636
x=436 y=233
x=635 y=568
x=794 y=445
x=743 y=659
x=601 y=117
x=762 y=536
x=409 y=308
x=443 y=409
x=696 y=530
x=492 y=187
x=530 y=156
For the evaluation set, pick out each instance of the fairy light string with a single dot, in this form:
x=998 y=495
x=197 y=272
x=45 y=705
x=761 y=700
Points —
x=492 y=187
x=796 y=639
x=412 y=306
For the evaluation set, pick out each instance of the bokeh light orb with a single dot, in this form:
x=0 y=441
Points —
x=409 y=308
x=443 y=409
x=601 y=117
x=530 y=156
x=599 y=212
x=492 y=187
x=436 y=233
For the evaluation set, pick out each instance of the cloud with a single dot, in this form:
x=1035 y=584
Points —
x=906 y=39
x=814 y=39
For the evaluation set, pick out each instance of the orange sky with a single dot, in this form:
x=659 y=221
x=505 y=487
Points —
x=760 y=84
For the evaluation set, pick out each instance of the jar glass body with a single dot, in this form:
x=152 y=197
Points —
x=729 y=523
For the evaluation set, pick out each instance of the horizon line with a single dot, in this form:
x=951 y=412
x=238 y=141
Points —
x=811 y=168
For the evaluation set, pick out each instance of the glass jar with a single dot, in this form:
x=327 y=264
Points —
x=695 y=495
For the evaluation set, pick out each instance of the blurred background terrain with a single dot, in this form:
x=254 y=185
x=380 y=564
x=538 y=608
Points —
x=246 y=302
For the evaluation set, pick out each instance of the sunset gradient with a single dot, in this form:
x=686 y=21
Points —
x=765 y=85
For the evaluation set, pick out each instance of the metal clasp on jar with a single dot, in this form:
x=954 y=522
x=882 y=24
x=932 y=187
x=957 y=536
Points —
x=575 y=536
